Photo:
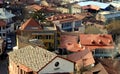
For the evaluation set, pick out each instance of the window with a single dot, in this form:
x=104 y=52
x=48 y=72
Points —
x=34 y=28
x=77 y=23
x=67 y=25
x=3 y=34
x=3 y=27
x=49 y=37
x=76 y=29
x=56 y=64
x=30 y=73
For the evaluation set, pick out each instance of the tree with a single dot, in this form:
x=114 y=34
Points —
x=39 y=15
x=114 y=27
x=92 y=30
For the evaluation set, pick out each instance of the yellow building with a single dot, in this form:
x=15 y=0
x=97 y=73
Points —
x=46 y=32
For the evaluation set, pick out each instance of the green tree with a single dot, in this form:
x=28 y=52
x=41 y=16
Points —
x=39 y=15
x=92 y=30
x=114 y=26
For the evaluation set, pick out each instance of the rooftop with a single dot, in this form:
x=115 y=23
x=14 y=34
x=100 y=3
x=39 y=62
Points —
x=31 y=24
x=99 y=69
x=93 y=41
x=69 y=42
x=23 y=41
x=85 y=56
x=96 y=3
x=111 y=65
x=67 y=17
x=33 y=58
x=36 y=7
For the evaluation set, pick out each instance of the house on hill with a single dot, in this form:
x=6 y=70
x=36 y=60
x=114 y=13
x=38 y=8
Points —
x=6 y=21
x=69 y=22
x=100 y=44
x=35 y=30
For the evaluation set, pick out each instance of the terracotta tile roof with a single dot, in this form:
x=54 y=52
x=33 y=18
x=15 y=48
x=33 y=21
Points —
x=31 y=24
x=36 y=7
x=66 y=17
x=70 y=43
x=2 y=23
x=93 y=41
x=111 y=65
x=98 y=69
x=76 y=6
x=31 y=57
x=94 y=7
x=84 y=57
x=23 y=41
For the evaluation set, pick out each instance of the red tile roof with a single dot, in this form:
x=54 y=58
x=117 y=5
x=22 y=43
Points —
x=70 y=43
x=67 y=17
x=93 y=41
x=84 y=57
x=98 y=69
x=36 y=7
x=94 y=7
x=111 y=65
x=2 y=23
x=31 y=24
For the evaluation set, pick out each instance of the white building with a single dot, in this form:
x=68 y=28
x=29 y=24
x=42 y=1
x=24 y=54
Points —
x=68 y=22
x=107 y=16
x=7 y=17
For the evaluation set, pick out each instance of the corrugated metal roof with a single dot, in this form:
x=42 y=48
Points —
x=99 y=4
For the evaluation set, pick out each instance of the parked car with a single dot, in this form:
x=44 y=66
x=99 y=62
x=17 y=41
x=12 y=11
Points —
x=8 y=40
x=9 y=46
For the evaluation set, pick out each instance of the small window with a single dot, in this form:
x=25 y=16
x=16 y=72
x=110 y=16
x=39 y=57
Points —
x=56 y=64
x=3 y=34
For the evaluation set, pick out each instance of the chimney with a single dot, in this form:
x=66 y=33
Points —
x=92 y=41
x=102 y=35
x=109 y=41
x=100 y=41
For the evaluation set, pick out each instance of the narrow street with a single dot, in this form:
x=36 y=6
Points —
x=4 y=63
x=4 y=66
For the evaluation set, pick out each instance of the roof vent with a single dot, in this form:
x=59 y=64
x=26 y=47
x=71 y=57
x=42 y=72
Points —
x=102 y=35
x=63 y=17
x=100 y=41
x=55 y=18
x=60 y=17
x=109 y=41
x=92 y=41
x=69 y=43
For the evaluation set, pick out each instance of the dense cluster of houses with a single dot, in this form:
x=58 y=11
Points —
x=59 y=45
